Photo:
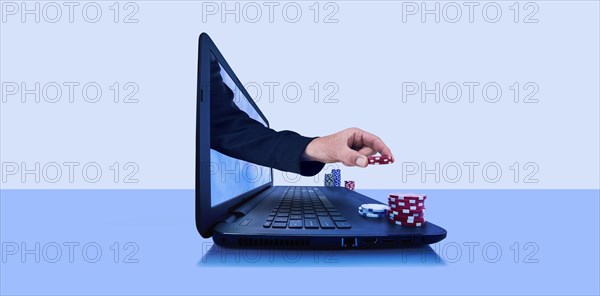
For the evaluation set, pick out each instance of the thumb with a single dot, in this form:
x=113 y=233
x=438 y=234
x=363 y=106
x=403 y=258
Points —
x=353 y=158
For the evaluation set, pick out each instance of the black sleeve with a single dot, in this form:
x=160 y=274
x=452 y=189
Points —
x=235 y=134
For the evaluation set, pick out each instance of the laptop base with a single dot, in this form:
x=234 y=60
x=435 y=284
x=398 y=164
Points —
x=247 y=231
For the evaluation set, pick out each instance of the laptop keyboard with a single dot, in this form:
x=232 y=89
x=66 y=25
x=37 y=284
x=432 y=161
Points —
x=304 y=207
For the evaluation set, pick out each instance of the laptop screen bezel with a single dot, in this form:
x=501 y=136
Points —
x=207 y=216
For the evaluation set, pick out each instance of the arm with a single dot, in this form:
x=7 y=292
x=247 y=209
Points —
x=237 y=135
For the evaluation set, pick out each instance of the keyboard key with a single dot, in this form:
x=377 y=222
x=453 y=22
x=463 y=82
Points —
x=311 y=223
x=296 y=217
x=343 y=225
x=310 y=216
x=338 y=218
x=326 y=203
x=279 y=225
x=322 y=214
x=296 y=212
x=281 y=219
x=267 y=224
x=270 y=218
x=283 y=215
x=326 y=222
x=295 y=224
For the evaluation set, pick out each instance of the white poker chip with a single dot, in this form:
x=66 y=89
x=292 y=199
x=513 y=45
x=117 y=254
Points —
x=371 y=215
x=373 y=208
x=361 y=211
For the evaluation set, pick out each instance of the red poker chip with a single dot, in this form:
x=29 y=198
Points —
x=405 y=216
x=393 y=212
x=410 y=208
x=406 y=206
x=406 y=219
x=380 y=159
x=405 y=211
x=408 y=196
x=402 y=202
x=410 y=213
x=349 y=184
x=415 y=224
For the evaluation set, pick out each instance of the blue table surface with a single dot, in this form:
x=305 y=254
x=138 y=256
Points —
x=145 y=242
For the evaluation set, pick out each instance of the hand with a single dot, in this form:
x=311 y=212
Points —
x=351 y=147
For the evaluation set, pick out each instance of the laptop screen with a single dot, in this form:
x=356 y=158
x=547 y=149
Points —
x=231 y=177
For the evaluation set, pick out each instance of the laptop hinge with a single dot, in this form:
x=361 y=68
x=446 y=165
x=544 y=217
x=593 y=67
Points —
x=231 y=218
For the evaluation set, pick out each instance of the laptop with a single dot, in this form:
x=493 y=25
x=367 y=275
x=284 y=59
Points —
x=238 y=206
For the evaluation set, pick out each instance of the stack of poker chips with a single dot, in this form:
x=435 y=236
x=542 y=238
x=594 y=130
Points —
x=329 y=181
x=407 y=209
x=349 y=185
x=337 y=177
x=372 y=210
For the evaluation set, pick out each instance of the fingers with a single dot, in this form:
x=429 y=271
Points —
x=367 y=151
x=351 y=157
x=376 y=144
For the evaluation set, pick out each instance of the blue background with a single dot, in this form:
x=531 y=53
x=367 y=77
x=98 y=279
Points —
x=173 y=259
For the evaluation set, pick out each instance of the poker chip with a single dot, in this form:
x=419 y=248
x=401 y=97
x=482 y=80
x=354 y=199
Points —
x=349 y=185
x=407 y=209
x=371 y=215
x=329 y=180
x=414 y=224
x=391 y=214
x=373 y=208
x=337 y=177
x=380 y=159
x=408 y=223
x=406 y=218
x=407 y=196
x=411 y=212
x=403 y=202
x=396 y=214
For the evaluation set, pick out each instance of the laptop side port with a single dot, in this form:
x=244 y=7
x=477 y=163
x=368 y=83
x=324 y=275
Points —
x=369 y=240
x=389 y=241
x=349 y=242
x=406 y=241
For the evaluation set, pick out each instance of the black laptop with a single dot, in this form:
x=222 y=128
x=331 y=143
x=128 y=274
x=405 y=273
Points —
x=238 y=206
